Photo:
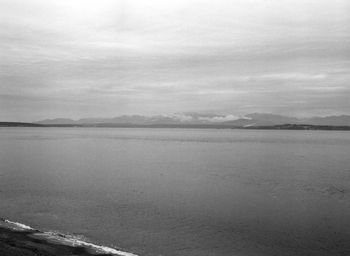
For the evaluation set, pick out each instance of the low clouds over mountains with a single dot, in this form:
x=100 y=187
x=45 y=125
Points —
x=254 y=119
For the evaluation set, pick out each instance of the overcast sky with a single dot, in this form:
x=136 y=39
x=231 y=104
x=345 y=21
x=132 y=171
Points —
x=103 y=58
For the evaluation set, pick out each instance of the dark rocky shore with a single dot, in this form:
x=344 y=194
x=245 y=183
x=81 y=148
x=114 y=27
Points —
x=21 y=243
x=19 y=240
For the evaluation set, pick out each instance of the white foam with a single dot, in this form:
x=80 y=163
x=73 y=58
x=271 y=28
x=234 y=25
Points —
x=68 y=240
x=19 y=225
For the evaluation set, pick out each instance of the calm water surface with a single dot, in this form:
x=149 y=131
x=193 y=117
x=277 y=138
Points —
x=179 y=192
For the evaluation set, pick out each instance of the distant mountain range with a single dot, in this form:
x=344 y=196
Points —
x=197 y=119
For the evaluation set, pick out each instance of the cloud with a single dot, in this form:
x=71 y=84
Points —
x=220 y=118
x=294 y=76
x=159 y=57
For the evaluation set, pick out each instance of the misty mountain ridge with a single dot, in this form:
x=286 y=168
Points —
x=192 y=118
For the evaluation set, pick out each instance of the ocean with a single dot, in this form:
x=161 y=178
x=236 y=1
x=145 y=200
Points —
x=182 y=192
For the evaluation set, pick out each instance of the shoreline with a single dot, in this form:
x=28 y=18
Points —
x=287 y=126
x=17 y=239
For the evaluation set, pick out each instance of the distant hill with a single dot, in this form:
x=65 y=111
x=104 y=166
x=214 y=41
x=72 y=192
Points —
x=262 y=119
x=197 y=120
x=342 y=120
x=190 y=118
x=57 y=121
x=19 y=124
x=301 y=127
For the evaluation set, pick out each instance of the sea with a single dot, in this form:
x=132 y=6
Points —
x=182 y=192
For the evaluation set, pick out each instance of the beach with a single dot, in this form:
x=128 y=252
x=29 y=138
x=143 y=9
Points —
x=17 y=239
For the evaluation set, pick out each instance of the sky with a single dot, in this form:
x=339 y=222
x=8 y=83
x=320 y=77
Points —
x=104 y=58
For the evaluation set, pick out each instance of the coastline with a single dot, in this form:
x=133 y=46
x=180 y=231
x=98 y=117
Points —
x=17 y=239
x=286 y=126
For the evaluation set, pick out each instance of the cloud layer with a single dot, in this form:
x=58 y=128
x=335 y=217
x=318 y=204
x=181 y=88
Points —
x=82 y=58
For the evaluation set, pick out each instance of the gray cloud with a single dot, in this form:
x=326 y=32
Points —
x=104 y=58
